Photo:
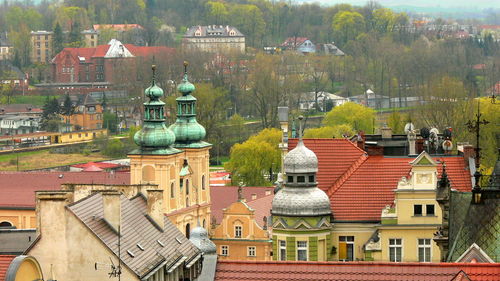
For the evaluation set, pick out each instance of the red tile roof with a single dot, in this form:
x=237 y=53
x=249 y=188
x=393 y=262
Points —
x=5 y=261
x=335 y=157
x=101 y=165
x=317 y=271
x=262 y=207
x=141 y=51
x=17 y=189
x=117 y=27
x=369 y=188
x=223 y=196
x=360 y=186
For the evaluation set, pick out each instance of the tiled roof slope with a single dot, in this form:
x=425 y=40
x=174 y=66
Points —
x=262 y=207
x=5 y=261
x=371 y=187
x=474 y=223
x=346 y=271
x=335 y=157
x=223 y=196
x=136 y=228
x=17 y=189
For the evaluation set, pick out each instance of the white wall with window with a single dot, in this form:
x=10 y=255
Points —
x=302 y=250
x=396 y=249
x=424 y=250
x=224 y=250
x=251 y=251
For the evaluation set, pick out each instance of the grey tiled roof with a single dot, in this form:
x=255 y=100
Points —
x=213 y=31
x=136 y=228
x=470 y=223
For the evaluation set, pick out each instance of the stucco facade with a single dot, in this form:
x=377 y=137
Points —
x=239 y=237
x=21 y=218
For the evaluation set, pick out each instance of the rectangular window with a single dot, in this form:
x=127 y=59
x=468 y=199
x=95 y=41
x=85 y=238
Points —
x=237 y=231
x=301 y=179
x=251 y=251
x=429 y=210
x=282 y=250
x=417 y=210
x=302 y=250
x=290 y=178
x=346 y=248
x=224 y=250
x=424 y=250
x=395 y=250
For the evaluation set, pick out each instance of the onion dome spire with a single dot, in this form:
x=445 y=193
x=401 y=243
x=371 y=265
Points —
x=188 y=132
x=301 y=196
x=154 y=137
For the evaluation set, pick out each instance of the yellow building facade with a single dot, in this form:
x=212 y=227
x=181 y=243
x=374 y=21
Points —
x=18 y=218
x=239 y=237
x=24 y=268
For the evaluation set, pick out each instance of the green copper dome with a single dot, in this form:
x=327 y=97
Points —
x=154 y=137
x=188 y=132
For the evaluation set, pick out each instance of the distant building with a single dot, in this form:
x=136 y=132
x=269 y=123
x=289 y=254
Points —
x=90 y=37
x=5 y=47
x=13 y=124
x=326 y=101
x=105 y=63
x=214 y=39
x=330 y=49
x=370 y=99
x=41 y=46
x=87 y=115
x=13 y=76
x=300 y=44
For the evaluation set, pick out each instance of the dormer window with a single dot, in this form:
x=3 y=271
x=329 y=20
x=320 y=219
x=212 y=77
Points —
x=232 y=33
x=290 y=179
x=301 y=179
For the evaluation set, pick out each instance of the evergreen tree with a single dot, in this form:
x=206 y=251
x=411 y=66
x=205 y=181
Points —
x=75 y=37
x=58 y=38
x=50 y=120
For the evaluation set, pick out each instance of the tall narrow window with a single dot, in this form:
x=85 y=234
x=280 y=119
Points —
x=395 y=250
x=224 y=250
x=282 y=250
x=187 y=186
x=302 y=250
x=172 y=190
x=203 y=182
x=424 y=250
x=251 y=252
x=346 y=248
x=238 y=231
x=188 y=230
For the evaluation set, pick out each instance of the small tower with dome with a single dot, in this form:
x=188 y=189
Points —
x=301 y=214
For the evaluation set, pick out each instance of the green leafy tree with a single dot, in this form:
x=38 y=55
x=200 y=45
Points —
x=355 y=115
x=21 y=39
x=110 y=122
x=249 y=20
x=348 y=24
x=216 y=12
x=396 y=122
x=50 y=115
x=114 y=148
x=327 y=132
x=252 y=160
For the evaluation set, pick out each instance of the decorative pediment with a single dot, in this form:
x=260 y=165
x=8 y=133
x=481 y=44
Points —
x=475 y=254
x=323 y=223
x=424 y=159
x=280 y=223
x=302 y=224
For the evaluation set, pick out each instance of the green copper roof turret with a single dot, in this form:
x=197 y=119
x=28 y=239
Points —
x=188 y=132
x=154 y=137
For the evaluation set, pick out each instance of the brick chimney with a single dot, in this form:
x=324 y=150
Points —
x=155 y=207
x=386 y=132
x=361 y=138
x=111 y=204
x=468 y=152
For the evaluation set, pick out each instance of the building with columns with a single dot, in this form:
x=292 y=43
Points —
x=175 y=158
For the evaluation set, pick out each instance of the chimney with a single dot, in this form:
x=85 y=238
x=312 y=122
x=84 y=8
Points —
x=50 y=209
x=361 y=138
x=111 y=205
x=468 y=152
x=155 y=207
x=412 y=150
x=386 y=132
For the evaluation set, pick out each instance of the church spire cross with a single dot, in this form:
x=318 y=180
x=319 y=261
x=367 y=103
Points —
x=300 y=127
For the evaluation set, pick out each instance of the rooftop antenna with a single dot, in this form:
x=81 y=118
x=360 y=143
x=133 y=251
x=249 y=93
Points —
x=475 y=126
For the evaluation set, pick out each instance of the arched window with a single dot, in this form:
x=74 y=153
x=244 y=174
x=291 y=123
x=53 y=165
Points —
x=203 y=182
x=6 y=224
x=187 y=186
x=187 y=201
x=172 y=190
x=188 y=230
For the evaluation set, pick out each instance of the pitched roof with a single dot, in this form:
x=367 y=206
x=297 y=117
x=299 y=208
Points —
x=136 y=229
x=5 y=261
x=335 y=157
x=370 y=187
x=317 y=271
x=360 y=186
x=16 y=241
x=212 y=31
x=294 y=41
x=223 y=196
x=17 y=189
x=262 y=207
x=117 y=27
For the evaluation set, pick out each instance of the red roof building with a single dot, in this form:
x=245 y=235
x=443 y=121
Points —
x=356 y=271
x=104 y=63
x=359 y=185
x=5 y=261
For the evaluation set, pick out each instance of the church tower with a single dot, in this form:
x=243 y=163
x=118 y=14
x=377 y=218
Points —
x=301 y=211
x=158 y=161
x=194 y=175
